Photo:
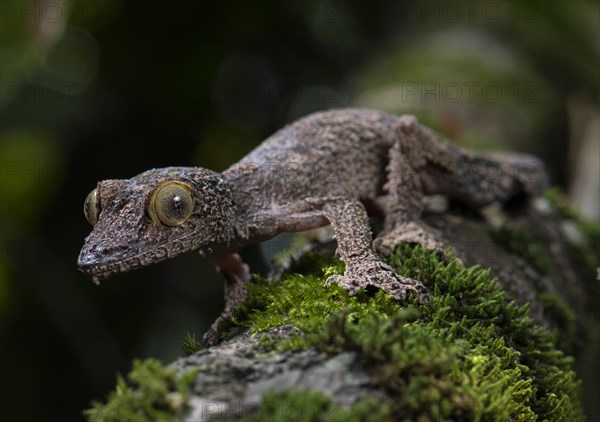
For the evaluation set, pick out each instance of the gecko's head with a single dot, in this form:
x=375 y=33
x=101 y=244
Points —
x=156 y=215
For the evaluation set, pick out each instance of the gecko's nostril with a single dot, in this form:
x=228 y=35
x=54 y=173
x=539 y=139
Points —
x=88 y=259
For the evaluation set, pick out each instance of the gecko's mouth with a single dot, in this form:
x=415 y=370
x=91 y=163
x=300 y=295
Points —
x=100 y=267
x=99 y=273
x=101 y=261
x=90 y=264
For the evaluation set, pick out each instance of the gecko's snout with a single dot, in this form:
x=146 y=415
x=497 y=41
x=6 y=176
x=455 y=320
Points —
x=90 y=262
x=87 y=261
x=101 y=261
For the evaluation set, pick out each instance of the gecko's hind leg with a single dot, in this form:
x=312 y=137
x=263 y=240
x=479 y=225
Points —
x=236 y=274
x=404 y=200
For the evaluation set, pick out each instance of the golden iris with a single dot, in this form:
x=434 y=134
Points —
x=91 y=208
x=171 y=203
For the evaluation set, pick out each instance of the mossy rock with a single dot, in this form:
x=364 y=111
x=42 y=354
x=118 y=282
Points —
x=468 y=354
x=299 y=350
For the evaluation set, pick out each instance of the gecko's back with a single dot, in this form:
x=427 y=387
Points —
x=342 y=151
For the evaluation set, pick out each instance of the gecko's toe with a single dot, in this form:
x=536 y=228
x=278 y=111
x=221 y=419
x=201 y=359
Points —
x=400 y=287
x=375 y=274
x=415 y=287
x=349 y=284
x=213 y=335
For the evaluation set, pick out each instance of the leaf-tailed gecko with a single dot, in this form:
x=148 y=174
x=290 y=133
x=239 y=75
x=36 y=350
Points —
x=333 y=167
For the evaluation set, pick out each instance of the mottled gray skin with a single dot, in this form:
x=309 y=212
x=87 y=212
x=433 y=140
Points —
x=326 y=168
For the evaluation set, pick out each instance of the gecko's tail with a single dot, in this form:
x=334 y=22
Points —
x=527 y=169
x=480 y=179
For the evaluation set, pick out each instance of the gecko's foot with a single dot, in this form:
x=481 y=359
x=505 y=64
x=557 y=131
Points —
x=211 y=337
x=374 y=273
x=413 y=232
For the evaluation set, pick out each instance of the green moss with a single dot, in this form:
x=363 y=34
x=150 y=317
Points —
x=523 y=245
x=308 y=406
x=313 y=263
x=468 y=354
x=190 y=344
x=151 y=392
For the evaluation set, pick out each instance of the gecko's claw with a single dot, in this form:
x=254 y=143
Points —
x=376 y=274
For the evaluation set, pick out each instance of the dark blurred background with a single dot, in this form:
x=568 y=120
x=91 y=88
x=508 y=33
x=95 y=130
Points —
x=92 y=90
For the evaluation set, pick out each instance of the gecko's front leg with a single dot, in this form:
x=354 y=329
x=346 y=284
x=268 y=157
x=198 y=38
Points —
x=364 y=269
x=236 y=273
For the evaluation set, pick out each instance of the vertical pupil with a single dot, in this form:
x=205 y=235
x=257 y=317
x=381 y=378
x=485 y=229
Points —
x=177 y=203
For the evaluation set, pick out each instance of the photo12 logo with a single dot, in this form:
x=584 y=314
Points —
x=469 y=91
x=488 y=12
x=48 y=93
x=35 y=11
x=25 y=172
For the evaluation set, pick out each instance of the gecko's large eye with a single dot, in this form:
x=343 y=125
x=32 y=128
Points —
x=91 y=208
x=171 y=203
